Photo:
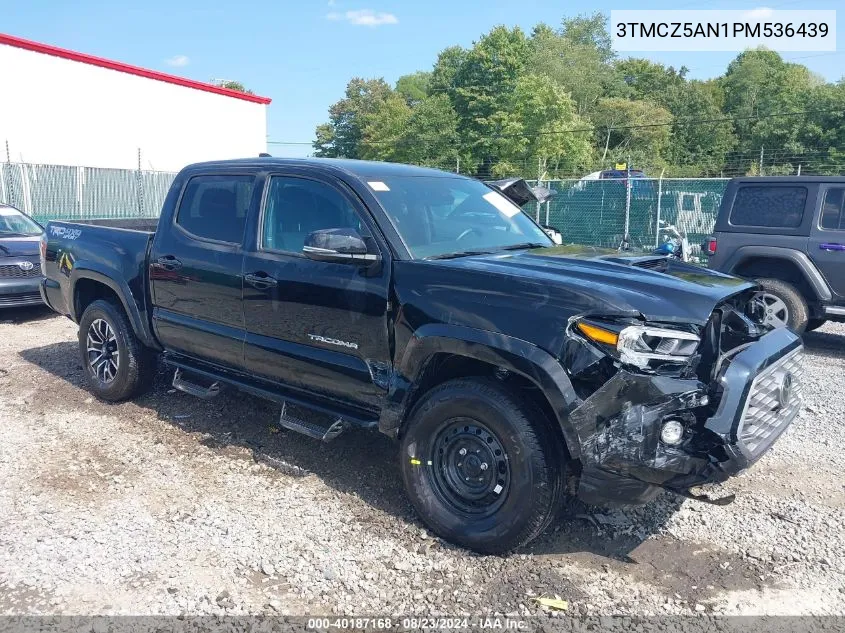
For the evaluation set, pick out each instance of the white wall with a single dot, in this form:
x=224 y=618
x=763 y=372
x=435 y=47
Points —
x=59 y=111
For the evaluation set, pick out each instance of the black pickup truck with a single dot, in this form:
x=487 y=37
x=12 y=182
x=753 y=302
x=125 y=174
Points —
x=427 y=306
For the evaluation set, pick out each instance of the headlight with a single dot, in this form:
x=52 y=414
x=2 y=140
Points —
x=639 y=345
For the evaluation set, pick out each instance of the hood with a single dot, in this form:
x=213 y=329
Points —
x=601 y=281
x=18 y=246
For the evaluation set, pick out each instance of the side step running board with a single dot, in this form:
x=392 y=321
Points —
x=318 y=431
x=180 y=383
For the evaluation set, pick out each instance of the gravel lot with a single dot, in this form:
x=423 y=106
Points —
x=173 y=505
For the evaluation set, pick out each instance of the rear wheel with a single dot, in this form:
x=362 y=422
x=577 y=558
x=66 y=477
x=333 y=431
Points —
x=117 y=365
x=783 y=304
x=481 y=465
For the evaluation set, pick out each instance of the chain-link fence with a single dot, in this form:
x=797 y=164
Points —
x=593 y=212
x=50 y=192
x=598 y=212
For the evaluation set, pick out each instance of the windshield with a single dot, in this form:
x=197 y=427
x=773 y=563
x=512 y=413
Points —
x=442 y=216
x=13 y=222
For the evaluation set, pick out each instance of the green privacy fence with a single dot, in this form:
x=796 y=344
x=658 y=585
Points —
x=594 y=211
x=586 y=211
x=50 y=192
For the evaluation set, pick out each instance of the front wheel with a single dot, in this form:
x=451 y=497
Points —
x=481 y=465
x=117 y=365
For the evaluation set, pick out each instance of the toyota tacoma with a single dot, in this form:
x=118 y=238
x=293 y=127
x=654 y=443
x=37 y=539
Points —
x=427 y=305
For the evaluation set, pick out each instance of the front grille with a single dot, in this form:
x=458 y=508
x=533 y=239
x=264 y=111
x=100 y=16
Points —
x=13 y=271
x=773 y=400
x=14 y=300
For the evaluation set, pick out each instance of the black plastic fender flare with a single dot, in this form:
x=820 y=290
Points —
x=493 y=348
x=801 y=260
x=90 y=270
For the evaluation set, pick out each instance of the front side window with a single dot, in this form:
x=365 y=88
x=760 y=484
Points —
x=769 y=206
x=438 y=216
x=295 y=207
x=215 y=207
x=13 y=223
x=833 y=217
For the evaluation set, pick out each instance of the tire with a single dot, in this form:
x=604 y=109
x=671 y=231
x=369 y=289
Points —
x=792 y=311
x=815 y=324
x=522 y=491
x=132 y=367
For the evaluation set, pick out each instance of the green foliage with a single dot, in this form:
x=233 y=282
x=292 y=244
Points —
x=414 y=87
x=348 y=118
x=560 y=103
x=234 y=85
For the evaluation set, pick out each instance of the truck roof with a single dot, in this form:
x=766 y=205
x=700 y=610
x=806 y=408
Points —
x=789 y=179
x=364 y=169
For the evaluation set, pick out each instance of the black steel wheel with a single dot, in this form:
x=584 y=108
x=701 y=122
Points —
x=482 y=465
x=470 y=471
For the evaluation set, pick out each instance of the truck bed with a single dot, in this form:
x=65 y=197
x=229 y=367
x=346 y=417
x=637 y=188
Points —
x=113 y=252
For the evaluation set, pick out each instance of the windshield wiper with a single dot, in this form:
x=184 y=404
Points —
x=517 y=247
x=457 y=254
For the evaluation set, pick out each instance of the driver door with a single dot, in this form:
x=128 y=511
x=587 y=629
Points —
x=313 y=325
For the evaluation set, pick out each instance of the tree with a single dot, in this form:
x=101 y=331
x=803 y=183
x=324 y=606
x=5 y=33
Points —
x=540 y=131
x=432 y=135
x=576 y=59
x=762 y=91
x=651 y=81
x=234 y=85
x=627 y=129
x=701 y=134
x=449 y=62
x=483 y=86
x=414 y=87
x=341 y=136
x=385 y=128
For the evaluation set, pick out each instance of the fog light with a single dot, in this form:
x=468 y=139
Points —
x=672 y=432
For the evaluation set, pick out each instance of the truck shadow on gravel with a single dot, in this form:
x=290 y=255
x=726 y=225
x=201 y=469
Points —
x=359 y=463
x=29 y=314
x=825 y=344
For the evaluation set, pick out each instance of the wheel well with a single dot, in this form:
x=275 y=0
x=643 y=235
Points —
x=443 y=367
x=775 y=268
x=87 y=291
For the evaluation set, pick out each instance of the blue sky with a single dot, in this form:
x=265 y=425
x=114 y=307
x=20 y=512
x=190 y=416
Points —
x=302 y=53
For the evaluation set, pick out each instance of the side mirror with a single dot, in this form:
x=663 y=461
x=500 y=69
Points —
x=341 y=246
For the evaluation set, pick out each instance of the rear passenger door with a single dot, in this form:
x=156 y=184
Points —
x=195 y=269
x=827 y=238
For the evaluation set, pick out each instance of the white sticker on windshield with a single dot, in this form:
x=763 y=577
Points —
x=378 y=186
x=8 y=211
x=502 y=204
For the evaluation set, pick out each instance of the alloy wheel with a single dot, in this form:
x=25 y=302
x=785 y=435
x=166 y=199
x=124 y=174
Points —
x=103 y=355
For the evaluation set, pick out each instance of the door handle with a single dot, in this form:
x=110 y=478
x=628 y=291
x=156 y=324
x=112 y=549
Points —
x=261 y=281
x=832 y=247
x=168 y=262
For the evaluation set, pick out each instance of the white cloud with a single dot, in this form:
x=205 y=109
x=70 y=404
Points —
x=178 y=61
x=364 y=17
x=758 y=13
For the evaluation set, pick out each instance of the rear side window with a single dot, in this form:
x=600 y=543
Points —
x=215 y=207
x=833 y=217
x=769 y=206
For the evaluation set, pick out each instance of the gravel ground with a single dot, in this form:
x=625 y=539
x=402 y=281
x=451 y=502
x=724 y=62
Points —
x=174 y=505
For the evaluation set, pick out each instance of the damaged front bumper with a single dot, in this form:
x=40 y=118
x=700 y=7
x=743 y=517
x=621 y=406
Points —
x=728 y=425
